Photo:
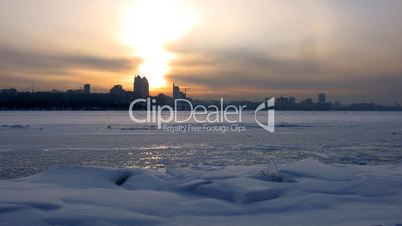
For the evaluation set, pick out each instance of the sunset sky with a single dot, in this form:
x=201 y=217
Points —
x=238 y=49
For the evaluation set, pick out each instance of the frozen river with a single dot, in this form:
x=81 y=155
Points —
x=31 y=142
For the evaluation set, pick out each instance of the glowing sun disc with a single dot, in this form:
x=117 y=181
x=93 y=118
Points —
x=149 y=26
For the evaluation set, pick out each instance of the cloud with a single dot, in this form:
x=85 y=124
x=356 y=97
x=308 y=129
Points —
x=53 y=68
x=350 y=50
x=33 y=61
x=257 y=74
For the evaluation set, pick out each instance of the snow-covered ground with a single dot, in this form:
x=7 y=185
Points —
x=99 y=168
x=312 y=193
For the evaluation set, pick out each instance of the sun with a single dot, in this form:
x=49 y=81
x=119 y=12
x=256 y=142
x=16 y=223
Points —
x=149 y=25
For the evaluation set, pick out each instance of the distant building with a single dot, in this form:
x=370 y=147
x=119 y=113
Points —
x=282 y=103
x=321 y=98
x=307 y=104
x=117 y=90
x=141 y=87
x=307 y=101
x=87 y=89
x=163 y=99
x=337 y=105
x=11 y=91
x=177 y=94
x=285 y=103
x=323 y=105
x=292 y=101
x=74 y=91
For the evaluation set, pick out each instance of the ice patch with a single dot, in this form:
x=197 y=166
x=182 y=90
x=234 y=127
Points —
x=15 y=126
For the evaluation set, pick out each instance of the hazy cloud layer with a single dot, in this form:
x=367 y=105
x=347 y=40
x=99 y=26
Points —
x=35 y=61
x=28 y=66
x=351 y=50
x=255 y=75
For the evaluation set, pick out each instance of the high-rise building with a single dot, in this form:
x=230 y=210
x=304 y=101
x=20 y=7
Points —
x=137 y=85
x=145 y=87
x=321 y=98
x=177 y=94
x=87 y=89
x=141 y=87
x=176 y=91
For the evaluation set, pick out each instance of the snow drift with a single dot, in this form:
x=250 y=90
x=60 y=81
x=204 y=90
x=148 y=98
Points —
x=312 y=193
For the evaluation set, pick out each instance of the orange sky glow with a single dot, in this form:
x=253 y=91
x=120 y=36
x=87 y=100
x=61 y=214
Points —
x=236 y=49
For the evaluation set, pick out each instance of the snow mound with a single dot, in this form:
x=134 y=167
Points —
x=312 y=193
